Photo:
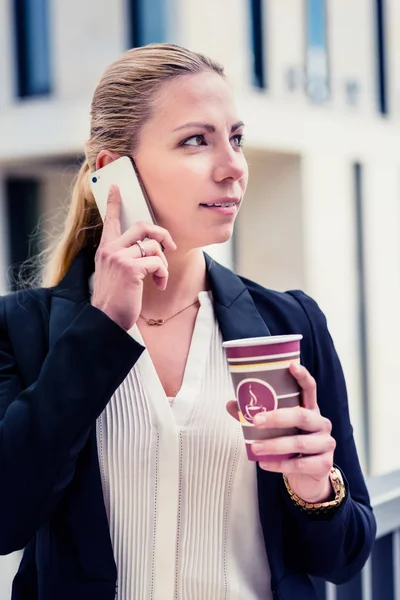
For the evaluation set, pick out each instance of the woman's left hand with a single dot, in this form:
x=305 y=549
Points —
x=308 y=474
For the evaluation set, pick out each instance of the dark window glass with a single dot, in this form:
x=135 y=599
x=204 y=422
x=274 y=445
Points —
x=32 y=47
x=317 y=60
x=381 y=56
x=22 y=209
x=147 y=22
x=257 y=43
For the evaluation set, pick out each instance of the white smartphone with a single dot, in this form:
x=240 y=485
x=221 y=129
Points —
x=135 y=205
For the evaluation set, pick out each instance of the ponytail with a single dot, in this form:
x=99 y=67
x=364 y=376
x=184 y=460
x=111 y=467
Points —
x=83 y=227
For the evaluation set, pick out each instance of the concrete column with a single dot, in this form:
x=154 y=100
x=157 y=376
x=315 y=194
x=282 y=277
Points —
x=352 y=55
x=269 y=231
x=285 y=37
x=330 y=262
x=382 y=218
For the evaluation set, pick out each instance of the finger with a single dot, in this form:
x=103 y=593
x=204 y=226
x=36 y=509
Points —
x=307 y=384
x=232 y=409
x=314 y=466
x=313 y=443
x=153 y=265
x=112 y=223
x=151 y=248
x=302 y=418
x=141 y=230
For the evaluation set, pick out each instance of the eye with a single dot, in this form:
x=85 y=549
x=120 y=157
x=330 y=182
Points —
x=239 y=138
x=198 y=141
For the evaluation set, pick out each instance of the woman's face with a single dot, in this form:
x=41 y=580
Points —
x=190 y=159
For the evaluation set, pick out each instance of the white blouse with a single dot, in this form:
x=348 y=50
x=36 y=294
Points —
x=180 y=493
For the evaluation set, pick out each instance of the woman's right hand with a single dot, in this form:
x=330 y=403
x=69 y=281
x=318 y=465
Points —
x=120 y=268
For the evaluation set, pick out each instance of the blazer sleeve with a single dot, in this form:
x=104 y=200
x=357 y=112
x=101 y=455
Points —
x=44 y=427
x=332 y=547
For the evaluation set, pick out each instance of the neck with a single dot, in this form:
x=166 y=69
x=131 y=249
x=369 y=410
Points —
x=187 y=277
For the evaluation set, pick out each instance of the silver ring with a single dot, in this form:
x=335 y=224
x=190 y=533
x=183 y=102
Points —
x=141 y=248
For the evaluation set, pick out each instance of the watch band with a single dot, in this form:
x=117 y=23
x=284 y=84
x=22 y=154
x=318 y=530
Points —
x=339 y=490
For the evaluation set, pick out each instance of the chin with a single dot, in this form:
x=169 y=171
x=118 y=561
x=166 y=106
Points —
x=217 y=238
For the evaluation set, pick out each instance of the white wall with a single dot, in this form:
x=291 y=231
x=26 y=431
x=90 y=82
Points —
x=269 y=231
x=94 y=36
x=382 y=248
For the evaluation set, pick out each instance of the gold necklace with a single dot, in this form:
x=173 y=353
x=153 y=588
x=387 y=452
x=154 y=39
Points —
x=160 y=322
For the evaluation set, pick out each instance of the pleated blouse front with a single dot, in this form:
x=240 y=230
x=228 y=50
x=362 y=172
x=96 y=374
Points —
x=179 y=491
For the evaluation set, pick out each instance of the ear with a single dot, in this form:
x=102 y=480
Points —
x=105 y=157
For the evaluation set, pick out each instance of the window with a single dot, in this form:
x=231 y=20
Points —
x=22 y=210
x=147 y=22
x=381 y=56
x=32 y=47
x=317 y=64
x=257 y=43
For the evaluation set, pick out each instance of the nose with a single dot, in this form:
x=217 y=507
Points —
x=230 y=164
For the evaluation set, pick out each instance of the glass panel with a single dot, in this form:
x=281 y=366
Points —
x=32 y=47
x=22 y=209
x=37 y=47
x=381 y=56
x=382 y=569
x=352 y=590
x=317 y=52
x=257 y=42
x=148 y=22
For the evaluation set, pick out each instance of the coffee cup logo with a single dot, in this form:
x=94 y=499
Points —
x=255 y=396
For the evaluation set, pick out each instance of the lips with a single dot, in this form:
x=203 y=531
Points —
x=222 y=203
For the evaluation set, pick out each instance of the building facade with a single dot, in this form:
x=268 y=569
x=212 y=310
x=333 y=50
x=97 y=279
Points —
x=318 y=86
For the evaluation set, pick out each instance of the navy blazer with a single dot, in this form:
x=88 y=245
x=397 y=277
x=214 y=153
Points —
x=60 y=362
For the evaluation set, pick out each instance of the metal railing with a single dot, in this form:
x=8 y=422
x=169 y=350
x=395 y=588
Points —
x=380 y=578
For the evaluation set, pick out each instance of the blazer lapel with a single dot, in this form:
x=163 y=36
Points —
x=234 y=307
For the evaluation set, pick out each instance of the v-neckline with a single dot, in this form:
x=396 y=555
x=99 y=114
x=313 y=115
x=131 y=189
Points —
x=185 y=400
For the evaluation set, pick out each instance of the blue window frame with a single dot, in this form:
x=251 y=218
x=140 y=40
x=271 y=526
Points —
x=381 y=56
x=31 y=26
x=259 y=78
x=147 y=22
x=317 y=59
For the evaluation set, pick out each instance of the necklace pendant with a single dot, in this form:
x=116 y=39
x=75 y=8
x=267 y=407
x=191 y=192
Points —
x=157 y=322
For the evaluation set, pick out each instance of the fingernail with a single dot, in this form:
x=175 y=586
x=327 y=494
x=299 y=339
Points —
x=259 y=419
x=257 y=448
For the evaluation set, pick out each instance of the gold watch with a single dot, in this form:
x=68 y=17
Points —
x=339 y=490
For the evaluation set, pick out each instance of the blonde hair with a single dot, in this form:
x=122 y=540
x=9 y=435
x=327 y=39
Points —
x=122 y=103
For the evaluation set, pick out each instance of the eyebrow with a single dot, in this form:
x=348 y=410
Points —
x=207 y=127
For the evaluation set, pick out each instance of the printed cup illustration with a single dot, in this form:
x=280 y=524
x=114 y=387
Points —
x=260 y=372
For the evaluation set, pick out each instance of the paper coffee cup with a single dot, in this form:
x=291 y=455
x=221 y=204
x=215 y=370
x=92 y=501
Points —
x=260 y=372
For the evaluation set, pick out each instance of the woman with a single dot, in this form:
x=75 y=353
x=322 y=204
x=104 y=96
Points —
x=122 y=474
